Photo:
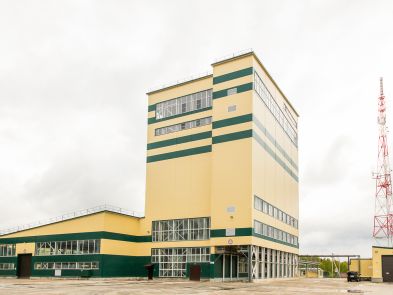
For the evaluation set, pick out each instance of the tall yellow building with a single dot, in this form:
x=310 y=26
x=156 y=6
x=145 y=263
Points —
x=221 y=186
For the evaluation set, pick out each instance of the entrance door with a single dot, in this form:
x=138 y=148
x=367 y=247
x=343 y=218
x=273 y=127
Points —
x=195 y=272
x=24 y=266
x=387 y=268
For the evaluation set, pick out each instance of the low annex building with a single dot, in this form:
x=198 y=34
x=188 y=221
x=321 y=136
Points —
x=221 y=191
x=379 y=268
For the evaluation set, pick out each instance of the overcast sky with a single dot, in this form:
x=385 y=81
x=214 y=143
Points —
x=73 y=108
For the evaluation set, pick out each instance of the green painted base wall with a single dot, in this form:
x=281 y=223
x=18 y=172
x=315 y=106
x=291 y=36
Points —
x=8 y=272
x=109 y=265
x=124 y=266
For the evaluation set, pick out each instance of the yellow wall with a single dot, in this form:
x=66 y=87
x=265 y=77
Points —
x=102 y=221
x=178 y=188
x=377 y=260
x=23 y=248
x=366 y=267
x=89 y=223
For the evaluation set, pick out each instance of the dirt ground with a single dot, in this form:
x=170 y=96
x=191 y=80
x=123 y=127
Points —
x=124 y=286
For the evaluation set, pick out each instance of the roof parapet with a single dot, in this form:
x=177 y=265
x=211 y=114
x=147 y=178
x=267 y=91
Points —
x=179 y=82
x=233 y=55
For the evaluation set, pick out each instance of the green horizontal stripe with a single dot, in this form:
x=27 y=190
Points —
x=179 y=140
x=239 y=232
x=77 y=236
x=232 y=121
x=240 y=89
x=8 y=259
x=233 y=75
x=249 y=133
x=248 y=118
x=151 y=107
x=245 y=232
x=266 y=147
x=232 y=136
x=154 y=120
x=274 y=240
x=274 y=142
x=179 y=154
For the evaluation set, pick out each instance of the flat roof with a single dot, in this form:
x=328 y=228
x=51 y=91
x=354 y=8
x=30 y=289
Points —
x=221 y=61
x=241 y=55
x=70 y=216
x=179 y=83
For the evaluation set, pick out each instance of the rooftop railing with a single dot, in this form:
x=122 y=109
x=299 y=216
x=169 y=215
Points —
x=200 y=75
x=235 y=54
x=180 y=81
x=71 y=215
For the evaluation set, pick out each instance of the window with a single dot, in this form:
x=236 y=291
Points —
x=257 y=203
x=68 y=247
x=181 y=229
x=270 y=210
x=66 y=265
x=231 y=91
x=243 y=265
x=276 y=111
x=198 y=104
x=7 y=250
x=232 y=108
x=274 y=233
x=267 y=208
x=7 y=266
x=172 y=261
x=184 y=104
x=183 y=126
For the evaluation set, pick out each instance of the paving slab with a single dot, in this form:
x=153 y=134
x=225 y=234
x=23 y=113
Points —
x=163 y=287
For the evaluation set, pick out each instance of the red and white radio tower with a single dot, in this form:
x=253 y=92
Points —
x=383 y=217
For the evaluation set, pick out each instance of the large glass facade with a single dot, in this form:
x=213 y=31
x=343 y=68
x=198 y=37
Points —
x=259 y=262
x=7 y=250
x=265 y=207
x=271 y=104
x=184 y=104
x=181 y=229
x=75 y=247
x=172 y=261
x=183 y=126
x=274 y=233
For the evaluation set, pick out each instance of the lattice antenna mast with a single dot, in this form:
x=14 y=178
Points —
x=383 y=217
